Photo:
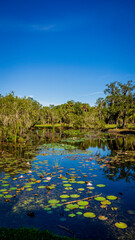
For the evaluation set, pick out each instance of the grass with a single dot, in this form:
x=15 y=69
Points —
x=110 y=126
x=50 y=125
x=29 y=234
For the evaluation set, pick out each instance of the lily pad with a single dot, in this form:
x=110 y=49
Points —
x=100 y=185
x=41 y=187
x=83 y=203
x=53 y=201
x=100 y=199
x=81 y=182
x=72 y=206
x=103 y=218
x=89 y=215
x=67 y=185
x=8 y=196
x=74 y=195
x=121 y=225
x=111 y=197
x=13 y=188
x=81 y=207
x=68 y=188
x=79 y=213
x=81 y=189
x=3 y=190
x=64 y=196
x=106 y=202
x=29 y=189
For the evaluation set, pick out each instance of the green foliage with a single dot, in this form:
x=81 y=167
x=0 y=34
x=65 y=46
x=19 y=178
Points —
x=17 y=115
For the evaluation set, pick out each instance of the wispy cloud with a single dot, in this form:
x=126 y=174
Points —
x=8 y=25
x=42 y=27
x=90 y=94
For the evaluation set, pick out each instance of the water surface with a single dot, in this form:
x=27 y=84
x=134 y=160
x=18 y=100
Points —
x=64 y=168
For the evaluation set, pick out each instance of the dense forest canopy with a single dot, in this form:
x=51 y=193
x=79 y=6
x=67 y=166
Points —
x=17 y=115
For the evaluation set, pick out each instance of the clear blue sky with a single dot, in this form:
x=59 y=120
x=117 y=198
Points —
x=60 y=50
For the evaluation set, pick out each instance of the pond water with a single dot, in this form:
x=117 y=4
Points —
x=84 y=182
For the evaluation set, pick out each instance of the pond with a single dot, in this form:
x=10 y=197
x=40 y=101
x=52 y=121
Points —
x=70 y=182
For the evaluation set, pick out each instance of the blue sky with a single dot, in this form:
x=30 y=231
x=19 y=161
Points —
x=57 y=51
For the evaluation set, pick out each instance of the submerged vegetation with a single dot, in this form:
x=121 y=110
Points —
x=18 y=115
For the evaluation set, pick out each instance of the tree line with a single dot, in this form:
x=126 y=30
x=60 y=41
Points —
x=17 y=115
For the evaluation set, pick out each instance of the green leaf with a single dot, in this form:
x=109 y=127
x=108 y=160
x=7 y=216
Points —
x=89 y=215
x=100 y=199
x=111 y=197
x=120 y=225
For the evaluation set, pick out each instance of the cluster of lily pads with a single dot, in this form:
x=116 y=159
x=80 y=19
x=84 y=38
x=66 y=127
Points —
x=76 y=191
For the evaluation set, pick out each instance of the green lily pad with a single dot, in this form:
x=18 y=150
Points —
x=100 y=185
x=8 y=196
x=81 y=182
x=13 y=188
x=72 y=206
x=111 y=197
x=1 y=195
x=74 y=195
x=83 y=203
x=79 y=213
x=53 y=201
x=64 y=196
x=3 y=190
x=81 y=189
x=100 y=199
x=106 y=202
x=29 y=189
x=47 y=208
x=120 y=225
x=68 y=188
x=89 y=215
x=41 y=187
x=67 y=185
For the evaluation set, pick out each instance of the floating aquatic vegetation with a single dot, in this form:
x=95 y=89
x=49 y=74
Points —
x=121 y=225
x=100 y=199
x=106 y=202
x=89 y=215
x=111 y=197
x=71 y=215
x=72 y=206
x=74 y=195
x=64 y=196
x=53 y=201
x=8 y=196
x=79 y=213
x=81 y=182
x=83 y=203
x=103 y=218
x=100 y=185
